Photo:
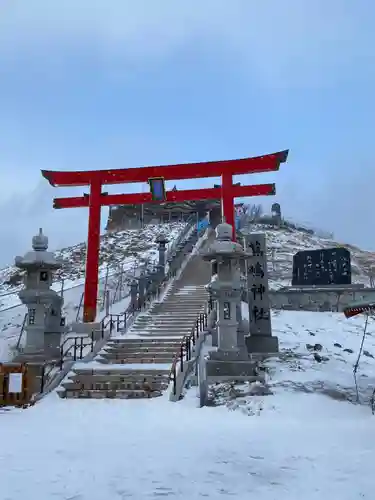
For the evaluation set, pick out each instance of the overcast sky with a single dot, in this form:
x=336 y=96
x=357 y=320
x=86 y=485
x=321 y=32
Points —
x=88 y=84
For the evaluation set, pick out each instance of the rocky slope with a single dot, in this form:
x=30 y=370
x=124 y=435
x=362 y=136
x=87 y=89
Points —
x=116 y=248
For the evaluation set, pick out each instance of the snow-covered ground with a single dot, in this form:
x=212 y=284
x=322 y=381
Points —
x=318 y=354
x=309 y=447
x=301 y=435
x=294 y=443
x=122 y=252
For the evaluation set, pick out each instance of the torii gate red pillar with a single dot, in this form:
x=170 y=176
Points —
x=227 y=201
x=92 y=252
x=96 y=199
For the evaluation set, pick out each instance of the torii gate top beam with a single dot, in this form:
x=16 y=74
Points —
x=258 y=164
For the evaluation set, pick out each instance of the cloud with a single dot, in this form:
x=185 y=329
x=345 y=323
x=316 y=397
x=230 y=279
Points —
x=291 y=42
x=278 y=45
x=24 y=213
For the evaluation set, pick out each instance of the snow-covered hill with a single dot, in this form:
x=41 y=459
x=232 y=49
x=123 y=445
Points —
x=122 y=251
x=283 y=243
x=123 y=247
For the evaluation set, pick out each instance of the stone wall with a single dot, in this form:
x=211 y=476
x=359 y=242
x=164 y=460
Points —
x=318 y=299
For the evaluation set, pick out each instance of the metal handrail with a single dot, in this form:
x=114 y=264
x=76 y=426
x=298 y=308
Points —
x=184 y=353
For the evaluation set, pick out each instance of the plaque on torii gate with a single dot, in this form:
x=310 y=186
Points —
x=96 y=199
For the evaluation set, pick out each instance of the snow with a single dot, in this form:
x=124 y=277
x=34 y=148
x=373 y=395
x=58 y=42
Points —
x=337 y=341
x=308 y=438
x=95 y=365
x=140 y=336
x=187 y=289
x=292 y=444
x=306 y=447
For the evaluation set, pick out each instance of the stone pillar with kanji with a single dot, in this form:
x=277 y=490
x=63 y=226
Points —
x=260 y=339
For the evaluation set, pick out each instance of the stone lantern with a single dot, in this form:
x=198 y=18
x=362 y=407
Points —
x=45 y=324
x=231 y=359
x=154 y=276
x=133 y=294
x=142 y=285
x=172 y=261
x=162 y=241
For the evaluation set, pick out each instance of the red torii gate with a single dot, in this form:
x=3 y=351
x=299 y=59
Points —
x=96 y=198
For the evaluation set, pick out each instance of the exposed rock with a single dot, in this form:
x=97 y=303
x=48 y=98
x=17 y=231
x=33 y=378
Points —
x=315 y=347
x=320 y=358
x=368 y=354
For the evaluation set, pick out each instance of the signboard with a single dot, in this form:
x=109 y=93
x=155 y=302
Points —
x=276 y=210
x=14 y=389
x=329 y=266
x=257 y=285
x=157 y=187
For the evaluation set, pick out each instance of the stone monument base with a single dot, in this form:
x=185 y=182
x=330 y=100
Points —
x=262 y=344
x=93 y=329
x=233 y=366
x=38 y=357
x=232 y=355
x=52 y=344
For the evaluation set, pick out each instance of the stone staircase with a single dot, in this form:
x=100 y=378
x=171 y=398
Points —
x=138 y=364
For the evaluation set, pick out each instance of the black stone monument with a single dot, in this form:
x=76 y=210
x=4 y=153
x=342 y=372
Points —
x=329 y=266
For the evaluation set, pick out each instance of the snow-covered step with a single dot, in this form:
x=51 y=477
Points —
x=182 y=330
x=169 y=319
x=133 y=352
x=156 y=358
x=96 y=369
x=172 y=334
x=187 y=298
x=116 y=381
x=131 y=340
x=183 y=308
x=111 y=393
x=141 y=349
x=125 y=377
x=95 y=384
